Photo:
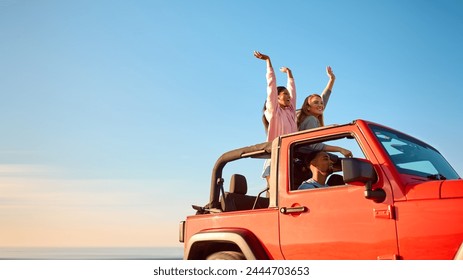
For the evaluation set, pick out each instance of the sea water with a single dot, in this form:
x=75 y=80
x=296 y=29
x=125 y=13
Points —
x=91 y=253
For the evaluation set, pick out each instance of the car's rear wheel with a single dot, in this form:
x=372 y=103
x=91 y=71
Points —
x=226 y=255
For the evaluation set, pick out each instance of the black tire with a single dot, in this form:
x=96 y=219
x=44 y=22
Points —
x=226 y=255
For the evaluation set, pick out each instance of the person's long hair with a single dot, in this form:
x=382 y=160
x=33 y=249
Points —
x=264 y=119
x=305 y=111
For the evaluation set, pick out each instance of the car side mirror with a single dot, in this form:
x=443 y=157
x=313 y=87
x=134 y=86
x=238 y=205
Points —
x=357 y=170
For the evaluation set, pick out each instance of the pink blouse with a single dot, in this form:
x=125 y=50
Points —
x=281 y=120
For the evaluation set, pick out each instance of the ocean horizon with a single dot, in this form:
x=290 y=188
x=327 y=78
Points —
x=91 y=253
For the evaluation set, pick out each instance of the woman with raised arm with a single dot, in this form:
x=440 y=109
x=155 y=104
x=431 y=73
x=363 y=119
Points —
x=311 y=114
x=279 y=116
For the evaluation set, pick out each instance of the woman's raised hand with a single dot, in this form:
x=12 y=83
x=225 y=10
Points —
x=261 y=56
x=330 y=73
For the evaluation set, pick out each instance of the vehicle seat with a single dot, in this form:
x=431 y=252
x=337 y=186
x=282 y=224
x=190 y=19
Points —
x=335 y=180
x=236 y=198
x=300 y=173
x=238 y=184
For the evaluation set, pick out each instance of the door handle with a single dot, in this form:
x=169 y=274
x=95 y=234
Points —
x=292 y=210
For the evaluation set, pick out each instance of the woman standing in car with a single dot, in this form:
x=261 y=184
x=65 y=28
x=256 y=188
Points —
x=311 y=113
x=279 y=116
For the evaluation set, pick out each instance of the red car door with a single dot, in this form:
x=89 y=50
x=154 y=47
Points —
x=335 y=222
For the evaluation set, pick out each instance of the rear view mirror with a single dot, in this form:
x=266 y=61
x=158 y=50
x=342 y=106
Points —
x=362 y=171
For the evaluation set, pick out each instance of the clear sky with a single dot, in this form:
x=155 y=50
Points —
x=112 y=113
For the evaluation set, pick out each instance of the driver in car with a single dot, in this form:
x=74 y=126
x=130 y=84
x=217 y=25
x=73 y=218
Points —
x=321 y=166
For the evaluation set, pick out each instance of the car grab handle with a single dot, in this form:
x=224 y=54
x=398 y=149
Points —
x=291 y=210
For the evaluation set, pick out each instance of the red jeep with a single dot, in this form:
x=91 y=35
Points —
x=397 y=198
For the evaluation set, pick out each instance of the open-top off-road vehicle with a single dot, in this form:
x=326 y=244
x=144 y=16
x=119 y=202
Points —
x=397 y=198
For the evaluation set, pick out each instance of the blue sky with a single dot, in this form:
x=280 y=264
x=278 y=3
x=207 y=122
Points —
x=114 y=112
